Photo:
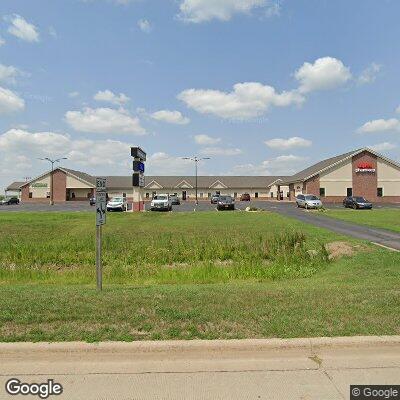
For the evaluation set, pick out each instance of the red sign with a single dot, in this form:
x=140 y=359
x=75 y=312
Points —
x=365 y=165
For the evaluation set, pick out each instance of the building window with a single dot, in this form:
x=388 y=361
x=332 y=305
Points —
x=218 y=192
x=209 y=195
x=256 y=195
x=124 y=195
x=30 y=195
x=48 y=195
x=154 y=194
x=379 y=192
x=349 y=192
x=235 y=195
x=201 y=195
x=272 y=195
x=322 y=192
x=147 y=195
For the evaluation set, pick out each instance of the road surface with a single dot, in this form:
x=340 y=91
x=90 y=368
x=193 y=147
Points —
x=233 y=370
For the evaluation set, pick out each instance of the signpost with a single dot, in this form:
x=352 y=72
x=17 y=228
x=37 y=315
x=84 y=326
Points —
x=138 y=181
x=101 y=207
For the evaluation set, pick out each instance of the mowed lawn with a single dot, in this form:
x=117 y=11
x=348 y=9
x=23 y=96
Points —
x=186 y=276
x=385 y=218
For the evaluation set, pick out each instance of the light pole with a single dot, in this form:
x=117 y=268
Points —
x=51 y=176
x=196 y=160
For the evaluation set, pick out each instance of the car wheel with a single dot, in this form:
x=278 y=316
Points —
x=355 y=206
x=298 y=205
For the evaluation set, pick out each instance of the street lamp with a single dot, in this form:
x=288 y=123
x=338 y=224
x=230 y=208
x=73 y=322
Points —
x=196 y=160
x=51 y=176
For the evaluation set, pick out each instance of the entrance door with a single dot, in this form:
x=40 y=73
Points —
x=183 y=195
x=349 y=192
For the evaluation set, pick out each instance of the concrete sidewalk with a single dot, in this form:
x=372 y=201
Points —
x=320 y=368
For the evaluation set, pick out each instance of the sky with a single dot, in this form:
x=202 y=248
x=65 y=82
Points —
x=261 y=87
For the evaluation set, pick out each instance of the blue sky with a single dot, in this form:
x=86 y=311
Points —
x=260 y=86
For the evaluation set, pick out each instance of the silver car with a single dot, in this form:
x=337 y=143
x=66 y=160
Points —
x=308 y=201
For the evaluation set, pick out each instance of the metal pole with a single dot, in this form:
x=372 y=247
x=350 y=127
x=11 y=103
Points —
x=51 y=183
x=195 y=162
x=98 y=259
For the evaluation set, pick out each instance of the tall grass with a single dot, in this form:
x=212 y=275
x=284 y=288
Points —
x=141 y=249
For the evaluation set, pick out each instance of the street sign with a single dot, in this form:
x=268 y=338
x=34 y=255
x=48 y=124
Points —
x=137 y=152
x=138 y=166
x=138 y=180
x=101 y=184
x=101 y=206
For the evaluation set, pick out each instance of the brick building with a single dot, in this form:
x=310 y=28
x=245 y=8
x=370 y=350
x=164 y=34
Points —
x=361 y=172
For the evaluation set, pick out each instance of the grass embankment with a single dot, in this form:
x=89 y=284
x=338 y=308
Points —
x=357 y=295
x=387 y=218
x=159 y=248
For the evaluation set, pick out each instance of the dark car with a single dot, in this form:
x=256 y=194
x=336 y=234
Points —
x=245 y=197
x=226 y=203
x=215 y=198
x=175 y=200
x=92 y=201
x=9 y=201
x=357 y=202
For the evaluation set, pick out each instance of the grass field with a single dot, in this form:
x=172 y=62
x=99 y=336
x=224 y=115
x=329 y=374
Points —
x=387 y=218
x=186 y=276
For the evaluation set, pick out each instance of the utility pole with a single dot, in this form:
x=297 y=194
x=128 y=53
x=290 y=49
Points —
x=51 y=176
x=196 y=161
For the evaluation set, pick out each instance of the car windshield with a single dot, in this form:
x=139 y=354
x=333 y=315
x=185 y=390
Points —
x=225 y=198
x=360 y=199
x=117 y=199
x=312 y=198
x=160 y=197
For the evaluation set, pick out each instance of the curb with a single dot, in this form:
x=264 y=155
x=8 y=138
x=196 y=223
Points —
x=178 y=346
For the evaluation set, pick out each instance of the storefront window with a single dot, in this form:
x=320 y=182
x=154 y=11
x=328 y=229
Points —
x=380 y=192
x=349 y=192
x=322 y=192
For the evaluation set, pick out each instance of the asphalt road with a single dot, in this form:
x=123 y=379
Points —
x=296 y=369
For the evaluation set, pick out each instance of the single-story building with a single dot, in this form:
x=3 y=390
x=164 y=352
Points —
x=14 y=190
x=361 y=172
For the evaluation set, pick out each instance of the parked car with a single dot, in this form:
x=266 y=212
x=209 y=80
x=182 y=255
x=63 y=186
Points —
x=308 y=201
x=226 y=203
x=245 y=197
x=10 y=200
x=175 y=199
x=117 y=204
x=357 y=202
x=92 y=200
x=161 y=202
x=215 y=198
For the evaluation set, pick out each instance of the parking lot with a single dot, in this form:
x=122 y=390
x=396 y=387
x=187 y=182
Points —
x=183 y=207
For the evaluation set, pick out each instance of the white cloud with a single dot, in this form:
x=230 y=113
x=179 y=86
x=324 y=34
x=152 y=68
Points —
x=325 y=73
x=108 y=96
x=2 y=41
x=8 y=73
x=10 y=101
x=145 y=25
x=73 y=94
x=22 y=29
x=104 y=120
x=380 y=125
x=197 y=11
x=247 y=100
x=281 y=165
x=171 y=117
x=19 y=150
x=369 y=74
x=385 y=146
x=284 y=144
x=164 y=164
x=220 y=151
x=205 y=140
x=398 y=110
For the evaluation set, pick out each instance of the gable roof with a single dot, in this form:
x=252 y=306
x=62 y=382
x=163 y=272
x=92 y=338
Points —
x=315 y=169
x=15 y=186
x=83 y=176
